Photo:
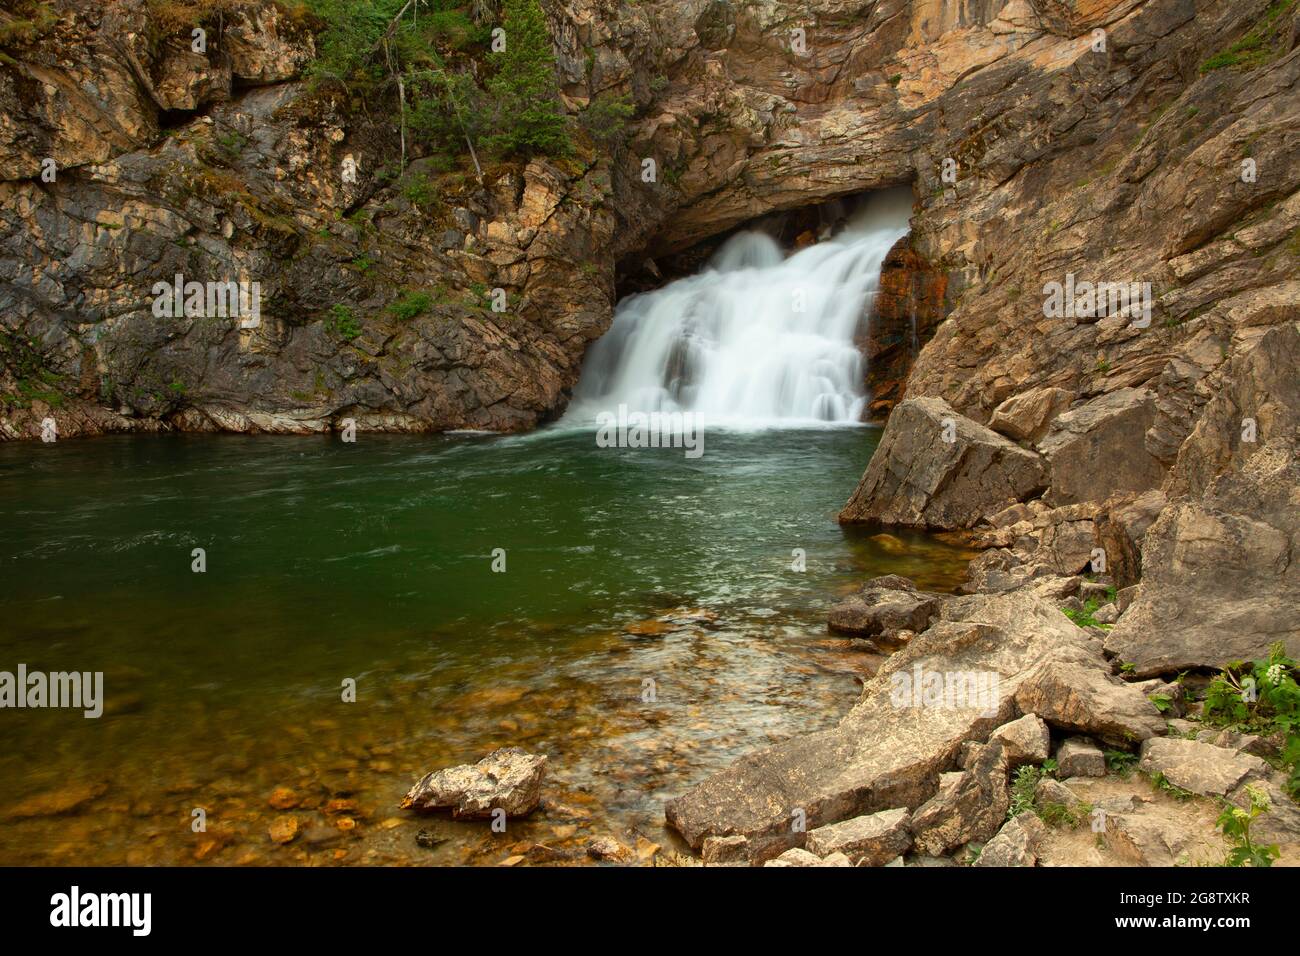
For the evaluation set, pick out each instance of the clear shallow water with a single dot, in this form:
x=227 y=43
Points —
x=373 y=561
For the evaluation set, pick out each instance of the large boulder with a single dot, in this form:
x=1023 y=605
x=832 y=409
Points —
x=1084 y=698
x=1219 y=578
x=1099 y=448
x=507 y=779
x=955 y=682
x=937 y=469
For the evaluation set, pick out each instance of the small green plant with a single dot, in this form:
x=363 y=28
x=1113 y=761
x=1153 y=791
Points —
x=363 y=263
x=410 y=305
x=1161 y=782
x=1084 y=618
x=1261 y=697
x=343 y=323
x=177 y=387
x=1261 y=44
x=1120 y=762
x=1023 y=788
x=1235 y=824
x=1059 y=814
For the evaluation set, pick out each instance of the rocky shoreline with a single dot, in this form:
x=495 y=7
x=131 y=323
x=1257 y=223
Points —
x=1094 y=612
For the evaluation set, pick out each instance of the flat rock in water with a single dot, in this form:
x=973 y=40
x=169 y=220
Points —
x=884 y=610
x=508 y=779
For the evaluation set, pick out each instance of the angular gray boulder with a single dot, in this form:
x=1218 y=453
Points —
x=972 y=808
x=1016 y=844
x=935 y=468
x=1202 y=768
x=1026 y=741
x=1025 y=417
x=1086 y=699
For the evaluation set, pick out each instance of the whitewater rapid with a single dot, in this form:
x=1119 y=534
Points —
x=756 y=338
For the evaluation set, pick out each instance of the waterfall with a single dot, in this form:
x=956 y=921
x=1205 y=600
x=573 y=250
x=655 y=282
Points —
x=756 y=338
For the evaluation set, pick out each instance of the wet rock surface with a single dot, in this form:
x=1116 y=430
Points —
x=508 y=779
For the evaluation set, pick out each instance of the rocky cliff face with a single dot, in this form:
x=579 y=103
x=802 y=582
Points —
x=1114 y=162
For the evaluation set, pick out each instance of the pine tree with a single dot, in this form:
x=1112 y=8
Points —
x=528 y=118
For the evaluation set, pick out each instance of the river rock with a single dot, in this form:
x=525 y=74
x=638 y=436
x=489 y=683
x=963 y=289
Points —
x=1202 y=768
x=884 y=606
x=871 y=840
x=607 y=848
x=889 y=750
x=918 y=478
x=725 y=849
x=798 y=857
x=509 y=779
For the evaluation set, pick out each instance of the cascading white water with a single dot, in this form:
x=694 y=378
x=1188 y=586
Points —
x=755 y=338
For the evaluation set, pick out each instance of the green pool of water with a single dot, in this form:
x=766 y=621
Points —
x=374 y=562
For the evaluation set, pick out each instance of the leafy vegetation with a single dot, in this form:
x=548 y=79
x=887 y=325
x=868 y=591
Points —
x=605 y=118
x=1261 y=44
x=1261 y=697
x=343 y=323
x=25 y=21
x=411 y=305
x=1084 y=618
x=423 y=56
x=1120 y=762
x=34 y=381
x=1023 y=788
x=1235 y=824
